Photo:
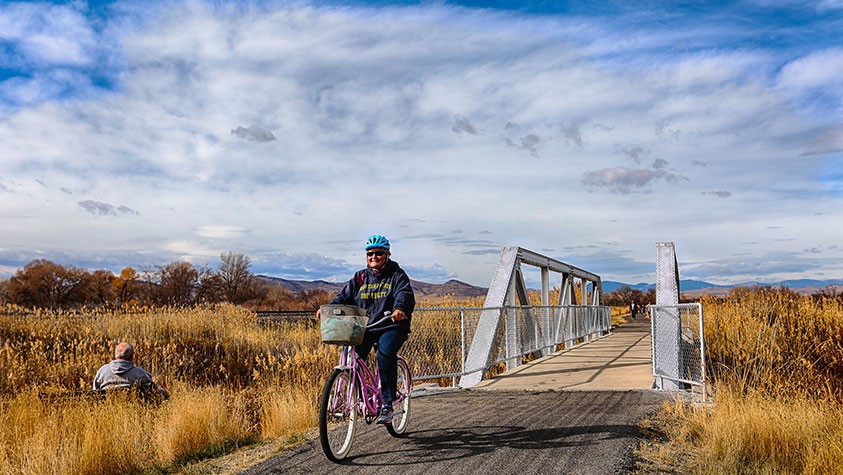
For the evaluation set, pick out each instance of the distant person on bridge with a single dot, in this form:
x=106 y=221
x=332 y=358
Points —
x=633 y=309
x=382 y=287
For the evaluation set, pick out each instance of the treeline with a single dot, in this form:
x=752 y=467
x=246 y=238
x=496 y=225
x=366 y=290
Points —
x=45 y=284
x=625 y=294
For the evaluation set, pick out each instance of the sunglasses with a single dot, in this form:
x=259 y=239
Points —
x=375 y=253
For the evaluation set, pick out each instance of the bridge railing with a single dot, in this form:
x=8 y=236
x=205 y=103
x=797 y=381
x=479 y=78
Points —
x=441 y=337
x=679 y=344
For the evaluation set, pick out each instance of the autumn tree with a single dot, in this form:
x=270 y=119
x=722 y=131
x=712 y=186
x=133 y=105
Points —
x=4 y=290
x=126 y=286
x=313 y=299
x=650 y=296
x=210 y=288
x=176 y=284
x=43 y=283
x=625 y=294
x=274 y=297
x=100 y=290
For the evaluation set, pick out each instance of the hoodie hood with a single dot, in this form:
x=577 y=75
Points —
x=121 y=366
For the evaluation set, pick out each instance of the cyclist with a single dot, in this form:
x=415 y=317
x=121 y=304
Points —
x=382 y=287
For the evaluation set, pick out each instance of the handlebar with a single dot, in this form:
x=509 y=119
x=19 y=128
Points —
x=386 y=316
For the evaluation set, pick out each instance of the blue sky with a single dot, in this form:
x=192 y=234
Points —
x=140 y=133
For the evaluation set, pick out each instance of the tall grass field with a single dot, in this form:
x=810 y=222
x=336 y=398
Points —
x=775 y=361
x=776 y=366
x=231 y=380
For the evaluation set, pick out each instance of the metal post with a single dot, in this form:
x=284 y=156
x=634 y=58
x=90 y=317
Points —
x=547 y=340
x=570 y=314
x=487 y=326
x=513 y=359
x=702 y=352
x=462 y=343
x=667 y=334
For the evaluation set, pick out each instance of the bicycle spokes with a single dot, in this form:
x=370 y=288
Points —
x=338 y=415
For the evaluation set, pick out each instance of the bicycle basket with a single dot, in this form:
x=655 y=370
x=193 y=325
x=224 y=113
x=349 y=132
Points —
x=342 y=324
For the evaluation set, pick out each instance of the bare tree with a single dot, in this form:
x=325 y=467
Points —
x=238 y=282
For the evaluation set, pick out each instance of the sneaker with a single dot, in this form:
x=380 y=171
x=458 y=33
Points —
x=385 y=417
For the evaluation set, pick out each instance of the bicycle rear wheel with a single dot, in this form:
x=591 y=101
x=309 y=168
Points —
x=338 y=415
x=401 y=406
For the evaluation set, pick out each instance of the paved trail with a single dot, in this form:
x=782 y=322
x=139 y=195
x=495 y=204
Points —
x=501 y=432
x=574 y=412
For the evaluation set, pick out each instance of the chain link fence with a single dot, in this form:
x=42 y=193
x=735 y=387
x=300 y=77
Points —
x=678 y=344
x=441 y=337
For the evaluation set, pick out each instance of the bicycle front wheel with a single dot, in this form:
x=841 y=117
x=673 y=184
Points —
x=338 y=415
x=401 y=407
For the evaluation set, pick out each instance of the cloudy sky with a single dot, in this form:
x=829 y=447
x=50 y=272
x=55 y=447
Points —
x=141 y=133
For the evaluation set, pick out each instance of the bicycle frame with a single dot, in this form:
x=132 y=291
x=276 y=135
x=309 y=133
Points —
x=352 y=394
x=364 y=382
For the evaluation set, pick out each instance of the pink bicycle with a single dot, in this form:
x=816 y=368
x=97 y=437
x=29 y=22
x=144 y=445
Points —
x=353 y=394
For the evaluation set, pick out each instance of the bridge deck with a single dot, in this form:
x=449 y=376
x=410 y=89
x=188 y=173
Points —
x=617 y=362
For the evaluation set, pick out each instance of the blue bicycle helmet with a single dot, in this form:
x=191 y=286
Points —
x=376 y=240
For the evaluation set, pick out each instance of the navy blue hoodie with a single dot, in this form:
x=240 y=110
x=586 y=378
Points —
x=378 y=292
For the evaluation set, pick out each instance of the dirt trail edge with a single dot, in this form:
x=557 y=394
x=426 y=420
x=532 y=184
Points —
x=500 y=432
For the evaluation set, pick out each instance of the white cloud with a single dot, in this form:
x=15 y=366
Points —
x=820 y=69
x=221 y=232
x=48 y=34
x=190 y=250
x=304 y=129
x=828 y=141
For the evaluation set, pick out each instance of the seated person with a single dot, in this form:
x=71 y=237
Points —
x=121 y=372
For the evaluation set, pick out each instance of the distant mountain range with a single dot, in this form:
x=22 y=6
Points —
x=456 y=288
x=698 y=287
x=452 y=287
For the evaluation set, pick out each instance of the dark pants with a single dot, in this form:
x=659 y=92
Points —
x=389 y=342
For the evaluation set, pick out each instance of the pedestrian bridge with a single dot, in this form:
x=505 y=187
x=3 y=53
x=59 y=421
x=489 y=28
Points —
x=559 y=338
x=569 y=401
x=619 y=361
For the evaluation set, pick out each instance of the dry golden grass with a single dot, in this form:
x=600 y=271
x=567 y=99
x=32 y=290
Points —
x=778 y=402
x=121 y=434
x=74 y=436
x=749 y=434
x=202 y=421
x=288 y=413
x=232 y=381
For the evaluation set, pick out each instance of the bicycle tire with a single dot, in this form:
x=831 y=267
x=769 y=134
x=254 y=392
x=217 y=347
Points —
x=401 y=414
x=337 y=421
